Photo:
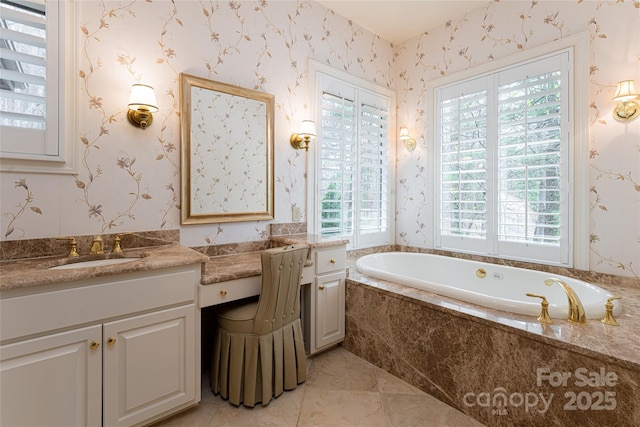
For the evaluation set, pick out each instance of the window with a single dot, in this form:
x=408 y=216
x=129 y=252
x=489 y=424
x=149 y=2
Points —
x=35 y=97
x=353 y=180
x=506 y=156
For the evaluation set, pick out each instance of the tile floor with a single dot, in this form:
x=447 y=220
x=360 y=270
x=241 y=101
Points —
x=341 y=390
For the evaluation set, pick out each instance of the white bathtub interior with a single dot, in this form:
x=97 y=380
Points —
x=500 y=287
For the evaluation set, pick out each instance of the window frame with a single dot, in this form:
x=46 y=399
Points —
x=357 y=241
x=64 y=152
x=578 y=247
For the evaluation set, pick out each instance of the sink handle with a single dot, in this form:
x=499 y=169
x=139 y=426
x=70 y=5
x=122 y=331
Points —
x=73 y=246
x=117 y=249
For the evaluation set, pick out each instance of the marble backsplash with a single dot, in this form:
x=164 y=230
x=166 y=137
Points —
x=36 y=248
x=44 y=247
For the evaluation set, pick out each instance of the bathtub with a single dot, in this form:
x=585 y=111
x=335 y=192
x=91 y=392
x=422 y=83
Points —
x=489 y=285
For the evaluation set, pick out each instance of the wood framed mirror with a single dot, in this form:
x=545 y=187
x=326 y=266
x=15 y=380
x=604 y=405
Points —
x=226 y=156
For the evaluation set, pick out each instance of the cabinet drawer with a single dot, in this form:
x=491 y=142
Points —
x=230 y=290
x=329 y=260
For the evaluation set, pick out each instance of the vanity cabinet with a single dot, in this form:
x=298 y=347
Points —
x=117 y=351
x=323 y=315
x=52 y=380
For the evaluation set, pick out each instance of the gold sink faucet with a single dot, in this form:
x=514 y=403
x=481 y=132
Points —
x=576 y=310
x=96 y=245
x=73 y=246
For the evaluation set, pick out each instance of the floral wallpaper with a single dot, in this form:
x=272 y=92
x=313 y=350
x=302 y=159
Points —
x=129 y=179
x=497 y=29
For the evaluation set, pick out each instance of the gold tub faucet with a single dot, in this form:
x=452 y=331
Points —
x=576 y=310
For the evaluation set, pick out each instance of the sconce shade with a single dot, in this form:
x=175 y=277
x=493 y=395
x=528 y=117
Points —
x=142 y=103
x=307 y=128
x=143 y=98
x=306 y=133
x=625 y=91
x=404 y=132
x=409 y=143
x=627 y=107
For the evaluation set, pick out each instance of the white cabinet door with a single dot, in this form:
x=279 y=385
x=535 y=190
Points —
x=149 y=365
x=330 y=295
x=53 y=381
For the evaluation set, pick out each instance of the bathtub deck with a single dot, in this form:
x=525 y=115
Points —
x=452 y=349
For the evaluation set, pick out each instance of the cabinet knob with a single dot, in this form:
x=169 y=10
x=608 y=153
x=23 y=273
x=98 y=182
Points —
x=111 y=341
x=94 y=345
x=321 y=287
x=223 y=293
x=332 y=261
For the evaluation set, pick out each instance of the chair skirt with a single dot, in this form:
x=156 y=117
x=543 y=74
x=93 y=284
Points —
x=250 y=368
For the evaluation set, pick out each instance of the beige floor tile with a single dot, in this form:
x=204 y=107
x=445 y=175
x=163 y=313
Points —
x=339 y=369
x=280 y=412
x=342 y=390
x=322 y=407
x=389 y=384
x=425 y=410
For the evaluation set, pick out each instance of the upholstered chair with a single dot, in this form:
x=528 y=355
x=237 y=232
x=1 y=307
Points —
x=259 y=349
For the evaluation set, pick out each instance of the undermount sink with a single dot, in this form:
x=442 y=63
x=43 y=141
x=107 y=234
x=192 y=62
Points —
x=94 y=263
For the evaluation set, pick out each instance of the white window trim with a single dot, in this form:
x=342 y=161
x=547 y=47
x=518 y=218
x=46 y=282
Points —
x=579 y=117
x=315 y=69
x=66 y=161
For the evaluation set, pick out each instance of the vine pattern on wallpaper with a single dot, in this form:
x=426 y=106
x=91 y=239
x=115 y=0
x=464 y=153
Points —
x=531 y=18
x=91 y=140
x=21 y=208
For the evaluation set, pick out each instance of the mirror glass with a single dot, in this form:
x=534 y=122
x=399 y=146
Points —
x=227 y=152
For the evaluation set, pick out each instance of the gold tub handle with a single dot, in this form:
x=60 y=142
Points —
x=544 y=313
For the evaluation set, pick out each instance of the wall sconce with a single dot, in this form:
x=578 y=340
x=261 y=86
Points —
x=142 y=103
x=409 y=143
x=304 y=136
x=627 y=108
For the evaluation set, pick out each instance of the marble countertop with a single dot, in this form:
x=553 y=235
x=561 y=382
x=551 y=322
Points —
x=30 y=272
x=616 y=344
x=230 y=267
x=247 y=264
x=20 y=274
x=313 y=240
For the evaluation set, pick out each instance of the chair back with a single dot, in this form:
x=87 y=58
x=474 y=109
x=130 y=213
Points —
x=279 y=302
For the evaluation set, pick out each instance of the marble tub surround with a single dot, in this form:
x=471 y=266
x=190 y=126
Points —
x=21 y=275
x=51 y=246
x=454 y=349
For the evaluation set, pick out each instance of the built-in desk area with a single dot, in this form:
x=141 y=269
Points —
x=228 y=278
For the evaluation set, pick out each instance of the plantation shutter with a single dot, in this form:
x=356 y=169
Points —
x=532 y=158
x=25 y=67
x=337 y=165
x=373 y=172
x=463 y=218
x=352 y=164
x=503 y=172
